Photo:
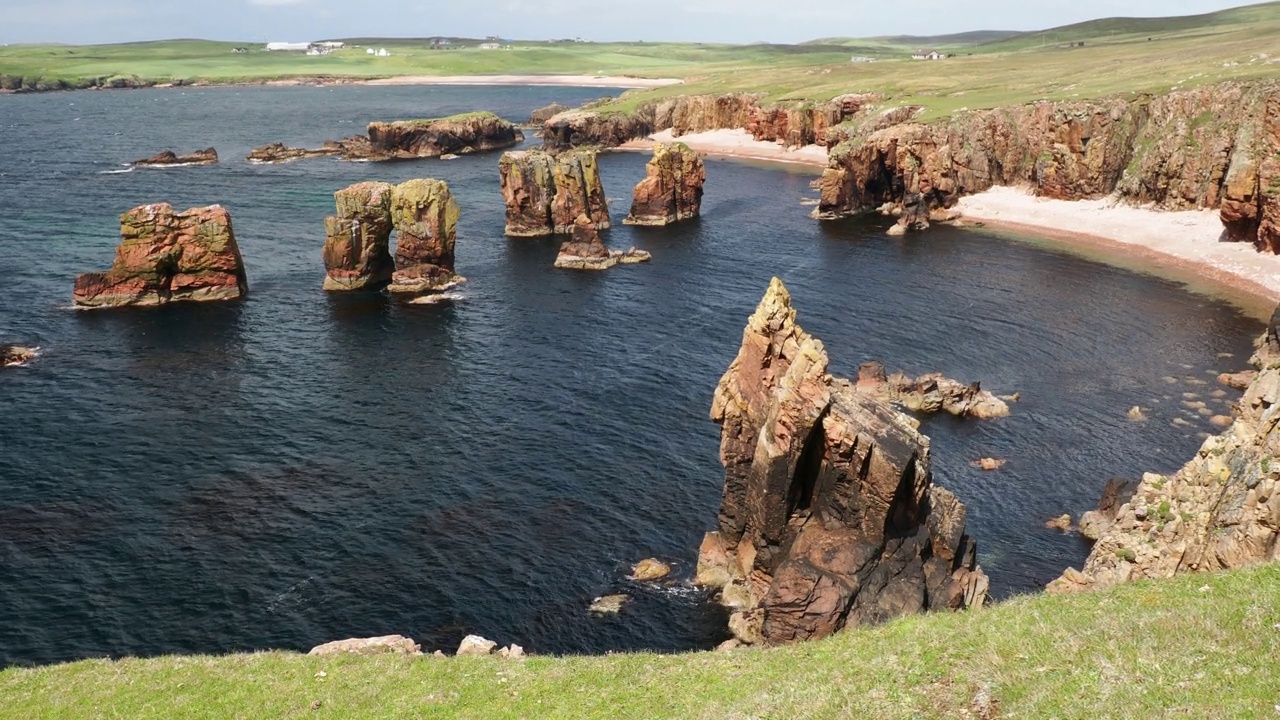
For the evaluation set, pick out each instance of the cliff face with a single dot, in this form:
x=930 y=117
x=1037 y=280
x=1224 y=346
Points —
x=578 y=192
x=425 y=217
x=1220 y=511
x=357 y=237
x=459 y=134
x=672 y=188
x=829 y=515
x=546 y=194
x=166 y=256
x=1213 y=147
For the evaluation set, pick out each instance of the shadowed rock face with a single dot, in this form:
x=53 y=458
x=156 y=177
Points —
x=546 y=194
x=829 y=515
x=425 y=217
x=166 y=256
x=577 y=128
x=459 y=135
x=1220 y=511
x=207 y=156
x=543 y=114
x=672 y=188
x=356 y=255
x=585 y=251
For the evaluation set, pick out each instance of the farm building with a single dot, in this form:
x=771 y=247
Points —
x=288 y=46
x=927 y=55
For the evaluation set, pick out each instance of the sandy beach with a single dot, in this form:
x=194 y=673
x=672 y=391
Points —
x=735 y=144
x=609 y=81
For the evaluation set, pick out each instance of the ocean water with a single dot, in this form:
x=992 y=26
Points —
x=302 y=467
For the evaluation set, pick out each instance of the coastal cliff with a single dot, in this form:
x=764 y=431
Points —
x=406 y=140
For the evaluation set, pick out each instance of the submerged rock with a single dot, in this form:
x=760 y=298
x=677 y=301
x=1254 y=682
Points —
x=930 y=393
x=16 y=355
x=425 y=217
x=649 y=570
x=208 y=156
x=608 y=605
x=672 y=188
x=166 y=256
x=829 y=516
x=585 y=251
x=385 y=645
x=357 y=238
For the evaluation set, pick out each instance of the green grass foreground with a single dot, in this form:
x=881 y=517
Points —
x=1201 y=646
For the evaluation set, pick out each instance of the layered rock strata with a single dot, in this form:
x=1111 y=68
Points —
x=585 y=251
x=929 y=393
x=545 y=194
x=829 y=516
x=166 y=256
x=277 y=153
x=406 y=140
x=425 y=217
x=1220 y=511
x=672 y=188
x=357 y=238
x=168 y=158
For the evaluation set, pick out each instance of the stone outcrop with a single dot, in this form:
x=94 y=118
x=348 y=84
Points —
x=166 y=256
x=425 y=217
x=672 y=188
x=545 y=193
x=543 y=114
x=1220 y=511
x=585 y=251
x=357 y=238
x=277 y=153
x=929 y=393
x=168 y=158
x=385 y=645
x=829 y=516
x=16 y=355
x=454 y=135
x=578 y=128
x=1116 y=493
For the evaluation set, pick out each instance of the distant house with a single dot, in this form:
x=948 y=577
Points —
x=927 y=55
x=490 y=46
x=370 y=51
x=330 y=45
x=240 y=50
x=861 y=59
x=382 y=52
x=288 y=46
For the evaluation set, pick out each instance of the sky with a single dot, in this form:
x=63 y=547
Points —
x=744 y=21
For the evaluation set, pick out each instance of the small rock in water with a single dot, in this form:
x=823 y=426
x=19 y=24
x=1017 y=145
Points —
x=988 y=464
x=1135 y=413
x=1012 y=398
x=1190 y=396
x=1062 y=523
x=650 y=570
x=1221 y=420
x=1193 y=404
x=15 y=355
x=475 y=645
x=1170 y=379
x=1240 y=380
x=608 y=604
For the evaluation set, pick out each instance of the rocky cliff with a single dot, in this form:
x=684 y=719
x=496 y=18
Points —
x=829 y=514
x=425 y=217
x=1220 y=511
x=166 y=256
x=458 y=134
x=546 y=194
x=672 y=188
x=357 y=238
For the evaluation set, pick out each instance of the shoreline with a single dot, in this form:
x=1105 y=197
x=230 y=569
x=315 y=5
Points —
x=735 y=144
x=601 y=81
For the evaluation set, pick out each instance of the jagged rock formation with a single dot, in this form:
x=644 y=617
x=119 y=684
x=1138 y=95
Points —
x=425 y=217
x=16 y=355
x=829 y=516
x=168 y=158
x=546 y=194
x=543 y=114
x=455 y=135
x=1116 y=493
x=929 y=393
x=672 y=188
x=277 y=153
x=1220 y=511
x=356 y=255
x=166 y=256
x=585 y=251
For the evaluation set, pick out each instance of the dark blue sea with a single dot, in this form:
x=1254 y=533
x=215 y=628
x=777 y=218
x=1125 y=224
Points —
x=302 y=467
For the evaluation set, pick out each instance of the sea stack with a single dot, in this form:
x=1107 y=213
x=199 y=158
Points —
x=829 y=516
x=356 y=255
x=166 y=256
x=425 y=217
x=456 y=135
x=585 y=251
x=672 y=188
x=546 y=194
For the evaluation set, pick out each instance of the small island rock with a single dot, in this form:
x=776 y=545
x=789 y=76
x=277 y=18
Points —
x=650 y=570
x=168 y=158
x=672 y=188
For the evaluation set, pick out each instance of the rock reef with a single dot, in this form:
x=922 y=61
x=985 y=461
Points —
x=1220 y=511
x=406 y=140
x=277 y=153
x=424 y=216
x=585 y=251
x=929 y=393
x=166 y=256
x=545 y=194
x=829 y=516
x=672 y=188
x=168 y=158
x=16 y=355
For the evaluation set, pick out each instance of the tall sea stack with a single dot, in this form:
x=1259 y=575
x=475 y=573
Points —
x=672 y=188
x=425 y=217
x=356 y=255
x=546 y=194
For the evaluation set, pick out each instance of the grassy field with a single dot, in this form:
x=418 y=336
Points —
x=1119 y=55
x=1197 y=646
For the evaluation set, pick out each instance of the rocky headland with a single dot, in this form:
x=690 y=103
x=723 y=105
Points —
x=168 y=158
x=829 y=516
x=584 y=250
x=166 y=256
x=672 y=188
x=407 y=140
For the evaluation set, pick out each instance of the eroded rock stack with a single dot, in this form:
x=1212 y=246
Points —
x=829 y=515
x=546 y=194
x=425 y=217
x=357 y=238
x=166 y=256
x=585 y=251
x=672 y=188
x=1220 y=511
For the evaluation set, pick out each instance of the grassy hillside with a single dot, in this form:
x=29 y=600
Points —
x=1196 y=646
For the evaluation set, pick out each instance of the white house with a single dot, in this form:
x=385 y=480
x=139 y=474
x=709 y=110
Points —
x=490 y=46
x=288 y=46
x=382 y=52
x=370 y=51
x=927 y=55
